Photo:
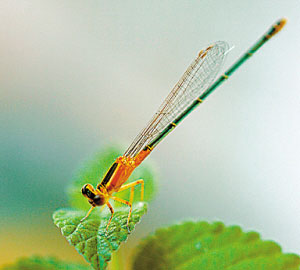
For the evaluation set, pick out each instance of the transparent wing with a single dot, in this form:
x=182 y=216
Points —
x=196 y=79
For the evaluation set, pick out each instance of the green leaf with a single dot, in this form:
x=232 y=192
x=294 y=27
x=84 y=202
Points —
x=90 y=237
x=200 y=245
x=95 y=170
x=39 y=263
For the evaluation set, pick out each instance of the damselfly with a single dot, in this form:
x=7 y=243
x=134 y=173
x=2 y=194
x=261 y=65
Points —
x=191 y=90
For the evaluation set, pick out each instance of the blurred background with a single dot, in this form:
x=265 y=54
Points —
x=78 y=75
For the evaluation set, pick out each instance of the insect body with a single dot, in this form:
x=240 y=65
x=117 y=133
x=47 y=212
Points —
x=194 y=86
x=113 y=181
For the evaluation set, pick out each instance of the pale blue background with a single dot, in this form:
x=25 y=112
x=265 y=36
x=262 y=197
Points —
x=77 y=75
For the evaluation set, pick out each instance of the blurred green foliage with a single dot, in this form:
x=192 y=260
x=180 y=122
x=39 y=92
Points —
x=200 y=245
x=39 y=263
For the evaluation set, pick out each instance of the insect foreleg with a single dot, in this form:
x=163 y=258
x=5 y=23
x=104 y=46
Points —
x=88 y=213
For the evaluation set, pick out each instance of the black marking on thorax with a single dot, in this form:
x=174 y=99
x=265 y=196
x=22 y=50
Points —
x=109 y=174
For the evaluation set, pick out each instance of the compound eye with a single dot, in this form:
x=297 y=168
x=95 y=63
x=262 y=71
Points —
x=86 y=191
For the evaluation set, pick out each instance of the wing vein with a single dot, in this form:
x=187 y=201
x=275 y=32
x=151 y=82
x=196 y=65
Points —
x=195 y=80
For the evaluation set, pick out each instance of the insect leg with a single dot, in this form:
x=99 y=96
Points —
x=88 y=213
x=132 y=185
x=112 y=214
x=127 y=203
